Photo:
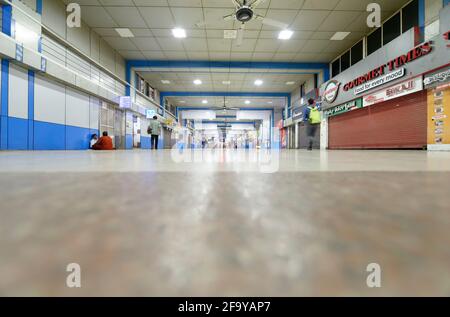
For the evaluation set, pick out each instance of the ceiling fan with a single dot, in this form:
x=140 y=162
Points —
x=224 y=108
x=245 y=13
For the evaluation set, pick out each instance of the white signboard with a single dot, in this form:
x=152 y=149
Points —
x=150 y=113
x=407 y=87
x=380 y=81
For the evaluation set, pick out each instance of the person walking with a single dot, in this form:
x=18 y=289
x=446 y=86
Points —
x=154 y=129
x=312 y=120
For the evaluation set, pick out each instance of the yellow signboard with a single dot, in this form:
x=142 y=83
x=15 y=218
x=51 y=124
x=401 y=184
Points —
x=439 y=115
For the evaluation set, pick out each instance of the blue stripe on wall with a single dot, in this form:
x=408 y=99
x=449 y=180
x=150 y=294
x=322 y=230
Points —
x=3 y=133
x=49 y=136
x=39 y=6
x=4 y=105
x=30 y=109
x=17 y=134
x=6 y=19
x=146 y=142
x=128 y=141
x=77 y=138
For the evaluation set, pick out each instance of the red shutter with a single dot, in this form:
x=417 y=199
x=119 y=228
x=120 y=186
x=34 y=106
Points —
x=397 y=123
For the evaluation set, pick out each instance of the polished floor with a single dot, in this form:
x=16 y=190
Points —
x=225 y=222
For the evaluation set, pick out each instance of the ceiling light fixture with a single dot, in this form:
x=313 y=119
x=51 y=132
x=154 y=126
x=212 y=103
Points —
x=179 y=33
x=285 y=35
x=197 y=82
x=204 y=102
x=258 y=82
x=182 y=101
x=290 y=83
x=247 y=102
x=226 y=82
x=165 y=82
x=124 y=32
x=339 y=36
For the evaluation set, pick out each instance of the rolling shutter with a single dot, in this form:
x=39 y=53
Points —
x=397 y=123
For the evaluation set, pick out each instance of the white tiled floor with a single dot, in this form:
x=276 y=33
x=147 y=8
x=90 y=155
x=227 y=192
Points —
x=223 y=161
x=293 y=223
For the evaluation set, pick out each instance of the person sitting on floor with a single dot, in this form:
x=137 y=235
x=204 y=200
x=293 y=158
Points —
x=94 y=140
x=104 y=143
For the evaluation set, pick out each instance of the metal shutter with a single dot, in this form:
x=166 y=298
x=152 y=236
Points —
x=397 y=123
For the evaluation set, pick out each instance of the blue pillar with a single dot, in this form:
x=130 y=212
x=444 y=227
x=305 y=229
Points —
x=4 y=105
x=422 y=18
x=39 y=6
x=31 y=75
x=6 y=19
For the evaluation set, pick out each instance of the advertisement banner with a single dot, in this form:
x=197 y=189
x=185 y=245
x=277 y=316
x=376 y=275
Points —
x=437 y=78
x=407 y=87
x=439 y=116
x=349 y=106
x=380 y=81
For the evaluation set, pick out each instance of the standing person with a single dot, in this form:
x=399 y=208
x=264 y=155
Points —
x=104 y=143
x=312 y=120
x=154 y=129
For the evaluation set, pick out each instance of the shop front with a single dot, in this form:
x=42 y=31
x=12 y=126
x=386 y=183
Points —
x=387 y=101
x=394 y=117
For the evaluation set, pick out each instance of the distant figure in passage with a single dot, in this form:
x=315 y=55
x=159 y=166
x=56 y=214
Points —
x=94 y=140
x=312 y=120
x=104 y=143
x=154 y=129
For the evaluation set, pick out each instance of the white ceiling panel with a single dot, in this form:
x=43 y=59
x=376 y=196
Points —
x=151 y=22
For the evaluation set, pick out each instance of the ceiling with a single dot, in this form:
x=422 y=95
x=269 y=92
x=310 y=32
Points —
x=151 y=21
x=240 y=80
x=231 y=102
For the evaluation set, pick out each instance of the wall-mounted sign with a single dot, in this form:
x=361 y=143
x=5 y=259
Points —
x=349 y=106
x=150 y=113
x=402 y=89
x=331 y=91
x=396 y=63
x=297 y=113
x=380 y=81
x=19 y=52
x=125 y=102
x=439 y=117
x=160 y=111
x=43 y=64
x=437 y=78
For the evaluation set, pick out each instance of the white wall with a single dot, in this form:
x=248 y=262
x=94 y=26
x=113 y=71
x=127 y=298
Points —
x=94 y=113
x=50 y=101
x=77 y=109
x=18 y=92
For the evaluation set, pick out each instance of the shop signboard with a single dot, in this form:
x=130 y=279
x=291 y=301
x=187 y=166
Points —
x=438 y=78
x=150 y=113
x=125 y=102
x=380 y=81
x=297 y=113
x=407 y=87
x=346 y=107
x=391 y=58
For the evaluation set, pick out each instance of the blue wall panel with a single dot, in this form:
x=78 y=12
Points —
x=49 y=136
x=128 y=141
x=77 y=138
x=146 y=142
x=17 y=134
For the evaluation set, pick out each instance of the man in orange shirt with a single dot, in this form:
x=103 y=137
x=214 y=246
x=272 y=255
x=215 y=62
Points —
x=104 y=143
